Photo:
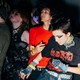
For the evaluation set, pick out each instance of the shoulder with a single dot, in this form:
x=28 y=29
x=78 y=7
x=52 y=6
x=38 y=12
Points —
x=77 y=40
x=25 y=32
x=4 y=38
x=52 y=39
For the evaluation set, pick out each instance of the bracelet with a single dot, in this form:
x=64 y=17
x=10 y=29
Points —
x=32 y=50
x=32 y=47
x=33 y=67
x=36 y=61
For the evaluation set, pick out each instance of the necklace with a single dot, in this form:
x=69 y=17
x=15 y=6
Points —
x=16 y=30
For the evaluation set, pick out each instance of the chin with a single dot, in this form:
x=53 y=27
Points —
x=60 y=44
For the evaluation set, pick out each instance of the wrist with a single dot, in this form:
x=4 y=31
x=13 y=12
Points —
x=33 y=64
x=32 y=50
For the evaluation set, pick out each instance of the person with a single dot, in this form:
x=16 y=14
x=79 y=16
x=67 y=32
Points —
x=34 y=17
x=17 y=56
x=4 y=36
x=37 y=38
x=63 y=48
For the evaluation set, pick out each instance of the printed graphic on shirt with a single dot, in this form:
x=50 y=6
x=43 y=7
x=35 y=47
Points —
x=64 y=55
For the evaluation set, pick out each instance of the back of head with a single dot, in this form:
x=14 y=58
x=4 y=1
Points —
x=3 y=12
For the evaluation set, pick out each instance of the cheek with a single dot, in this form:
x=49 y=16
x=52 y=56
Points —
x=63 y=40
x=13 y=20
x=18 y=18
x=45 y=17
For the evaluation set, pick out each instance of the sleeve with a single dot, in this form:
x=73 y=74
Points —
x=46 y=51
x=4 y=44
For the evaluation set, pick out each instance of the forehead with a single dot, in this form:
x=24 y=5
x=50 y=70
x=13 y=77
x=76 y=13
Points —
x=46 y=9
x=15 y=13
x=58 y=32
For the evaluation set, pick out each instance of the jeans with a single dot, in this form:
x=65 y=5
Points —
x=76 y=77
x=46 y=76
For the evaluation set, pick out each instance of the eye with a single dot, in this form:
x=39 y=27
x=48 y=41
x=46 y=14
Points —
x=16 y=14
x=59 y=36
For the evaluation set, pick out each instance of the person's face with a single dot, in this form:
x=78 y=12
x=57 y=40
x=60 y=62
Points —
x=60 y=37
x=45 y=15
x=15 y=18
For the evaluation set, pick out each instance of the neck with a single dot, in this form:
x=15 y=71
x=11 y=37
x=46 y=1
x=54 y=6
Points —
x=70 y=39
x=2 y=20
x=46 y=25
x=16 y=25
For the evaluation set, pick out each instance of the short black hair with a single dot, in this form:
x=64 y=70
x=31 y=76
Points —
x=63 y=24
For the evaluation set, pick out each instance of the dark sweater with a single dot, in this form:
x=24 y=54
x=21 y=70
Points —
x=70 y=55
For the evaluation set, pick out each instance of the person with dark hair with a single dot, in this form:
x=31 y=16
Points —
x=63 y=48
x=17 y=56
x=38 y=35
x=4 y=36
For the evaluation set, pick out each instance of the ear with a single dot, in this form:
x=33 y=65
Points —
x=51 y=17
x=68 y=34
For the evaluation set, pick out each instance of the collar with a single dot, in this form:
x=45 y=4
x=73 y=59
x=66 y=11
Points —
x=70 y=42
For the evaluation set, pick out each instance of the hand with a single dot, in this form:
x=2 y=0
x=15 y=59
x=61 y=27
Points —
x=23 y=76
x=39 y=47
x=25 y=73
x=58 y=64
x=52 y=68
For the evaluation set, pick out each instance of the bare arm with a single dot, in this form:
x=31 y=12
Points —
x=22 y=75
x=25 y=37
x=39 y=57
x=75 y=70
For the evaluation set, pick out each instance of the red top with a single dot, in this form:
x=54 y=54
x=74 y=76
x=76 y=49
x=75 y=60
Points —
x=37 y=35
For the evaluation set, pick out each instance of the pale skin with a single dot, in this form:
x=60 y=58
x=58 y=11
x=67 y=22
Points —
x=25 y=38
x=60 y=41
x=46 y=19
x=16 y=22
x=2 y=20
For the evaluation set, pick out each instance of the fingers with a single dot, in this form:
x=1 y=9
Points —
x=22 y=75
x=41 y=44
x=27 y=76
x=39 y=47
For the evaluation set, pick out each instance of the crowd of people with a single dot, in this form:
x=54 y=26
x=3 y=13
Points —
x=39 y=46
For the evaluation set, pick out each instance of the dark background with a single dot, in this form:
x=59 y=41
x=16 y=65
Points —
x=70 y=8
